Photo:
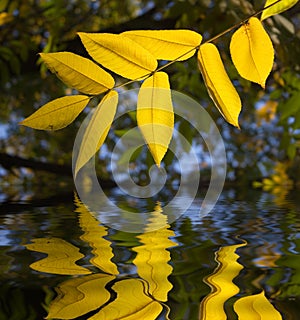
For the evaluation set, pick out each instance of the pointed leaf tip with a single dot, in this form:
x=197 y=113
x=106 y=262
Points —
x=97 y=129
x=252 y=52
x=155 y=116
x=218 y=84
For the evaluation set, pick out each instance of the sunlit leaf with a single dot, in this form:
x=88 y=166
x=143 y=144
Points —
x=57 y=114
x=218 y=84
x=221 y=283
x=252 y=51
x=61 y=256
x=155 y=115
x=97 y=129
x=167 y=44
x=256 y=307
x=119 y=54
x=152 y=257
x=279 y=7
x=131 y=303
x=78 y=72
x=94 y=234
x=79 y=296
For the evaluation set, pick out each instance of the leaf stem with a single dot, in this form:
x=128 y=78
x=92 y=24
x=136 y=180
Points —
x=197 y=47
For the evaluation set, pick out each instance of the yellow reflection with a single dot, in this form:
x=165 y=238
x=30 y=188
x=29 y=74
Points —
x=222 y=287
x=152 y=256
x=94 y=234
x=61 y=258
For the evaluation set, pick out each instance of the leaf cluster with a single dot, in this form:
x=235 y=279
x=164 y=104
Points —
x=134 y=55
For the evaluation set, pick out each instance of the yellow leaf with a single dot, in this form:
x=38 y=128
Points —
x=221 y=283
x=256 y=307
x=167 y=44
x=252 y=51
x=79 y=296
x=78 y=72
x=279 y=7
x=119 y=54
x=155 y=116
x=94 y=234
x=131 y=303
x=152 y=257
x=97 y=129
x=218 y=83
x=61 y=256
x=57 y=114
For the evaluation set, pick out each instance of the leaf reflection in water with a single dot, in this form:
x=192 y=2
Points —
x=254 y=307
x=136 y=298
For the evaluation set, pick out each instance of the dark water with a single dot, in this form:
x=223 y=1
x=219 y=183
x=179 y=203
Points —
x=247 y=247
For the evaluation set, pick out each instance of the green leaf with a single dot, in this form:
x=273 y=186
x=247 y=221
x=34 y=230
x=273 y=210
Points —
x=155 y=116
x=167 y=44
x=78 y=72
x=57 y=114
x=61 y=256
x=290 y=107
x=97 y=129
x=119 y=54
x=131 y=303
x=279 y=7
x=79 y=296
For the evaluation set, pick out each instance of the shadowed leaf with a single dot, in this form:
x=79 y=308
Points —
x=279 y=7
